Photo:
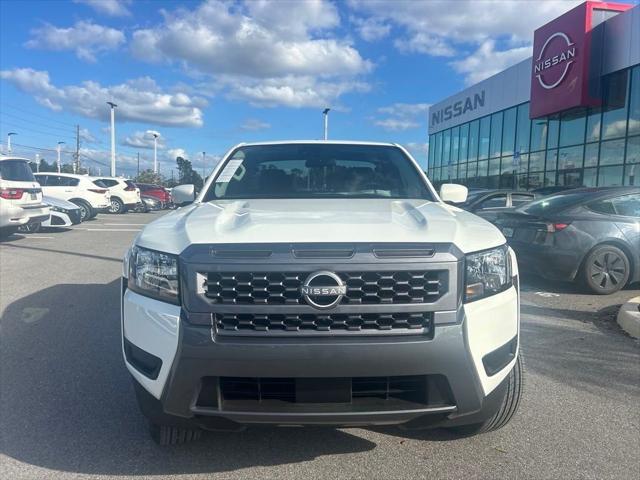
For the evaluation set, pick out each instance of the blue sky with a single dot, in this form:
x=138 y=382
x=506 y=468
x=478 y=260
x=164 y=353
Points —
x=209 y=74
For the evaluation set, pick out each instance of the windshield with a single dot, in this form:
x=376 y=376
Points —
x=16 y=170
x=318 y=171
x=552 y=203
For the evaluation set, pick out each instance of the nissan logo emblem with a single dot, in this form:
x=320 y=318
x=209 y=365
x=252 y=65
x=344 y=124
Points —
x=323 y=289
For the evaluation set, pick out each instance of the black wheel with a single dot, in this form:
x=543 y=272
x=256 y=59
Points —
x=30 y=227
x=7 y=231
x=605 y=270
x=508 y=406
x=116 y=206
x=168 y=435
x=86 y=212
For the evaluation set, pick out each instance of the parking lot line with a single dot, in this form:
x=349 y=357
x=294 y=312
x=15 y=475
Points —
x=111 y=229
x=36 y=236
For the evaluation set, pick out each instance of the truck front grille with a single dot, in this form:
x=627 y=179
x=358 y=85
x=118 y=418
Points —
x=283 y=288
x=253 y=323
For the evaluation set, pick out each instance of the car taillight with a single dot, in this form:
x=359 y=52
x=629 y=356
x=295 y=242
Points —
x=101 y=191
x=556 y=227
x=11 y=193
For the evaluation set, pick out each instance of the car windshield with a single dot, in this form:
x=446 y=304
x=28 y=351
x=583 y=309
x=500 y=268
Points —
x=318 y=171
x=552 y=203
x=16 y=170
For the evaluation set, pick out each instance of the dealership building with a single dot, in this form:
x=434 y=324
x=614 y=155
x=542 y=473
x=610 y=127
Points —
x=570 y=115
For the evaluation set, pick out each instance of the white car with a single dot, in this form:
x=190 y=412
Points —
x=86 y=192
x=124 y=194
x=321 y=283
x=20 y=196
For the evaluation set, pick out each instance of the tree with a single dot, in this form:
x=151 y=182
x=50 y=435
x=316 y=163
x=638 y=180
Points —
x=44 y=166
x=148 y=176
x=186 y=174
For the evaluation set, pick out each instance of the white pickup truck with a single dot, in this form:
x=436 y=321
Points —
x=321 y=283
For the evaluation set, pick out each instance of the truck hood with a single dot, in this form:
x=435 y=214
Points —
x=319 y=221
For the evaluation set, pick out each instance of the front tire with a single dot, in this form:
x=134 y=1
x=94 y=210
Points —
x=508 y=406
x=116 y=206
x=86 y=212
x=605 y=270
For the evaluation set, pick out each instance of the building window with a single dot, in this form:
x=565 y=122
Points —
x=633 y=150
x=634 y=102
x=572 y=125
x=570 y=158
x=437 y=155
x=631 y=174
x=536 y=161
x=509 y=131
x=612 y=152
x=554 y=128
x=446 y=147
x=591 y=154
x=485 y=130
x=455 y=145
x=593 y=125
x=552 y=160
x=496 y=135
x=482 y=168
x=550 y=179
x=539 y=134
x=464 y=141
x=614 y=116
x=610 y=176
x=473 y=140
x=523 y=128
x=472 y=169
x=590 y=177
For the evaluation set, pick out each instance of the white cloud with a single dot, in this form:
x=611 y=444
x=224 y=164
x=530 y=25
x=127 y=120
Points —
x=371 y=29
x=173 y=153
x=451 y=28
x=87 y=136
x=85 y=38
x=267 y=52
x=294 y=91
x=112 y=8
x=140 y=139
x=487 y=61
x=403 y=116
x=254 y=124
x=139 y=100
x=419 y=150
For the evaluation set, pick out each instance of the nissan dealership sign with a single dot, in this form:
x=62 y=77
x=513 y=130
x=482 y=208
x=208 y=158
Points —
x=562 y=59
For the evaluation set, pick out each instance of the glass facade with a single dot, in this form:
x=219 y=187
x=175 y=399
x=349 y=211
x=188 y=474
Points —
x=592 y=147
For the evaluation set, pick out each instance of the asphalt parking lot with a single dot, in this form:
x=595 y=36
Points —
x=67 y=407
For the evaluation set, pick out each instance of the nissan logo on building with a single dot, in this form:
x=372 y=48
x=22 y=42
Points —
x=323 y=289
x=547 y=66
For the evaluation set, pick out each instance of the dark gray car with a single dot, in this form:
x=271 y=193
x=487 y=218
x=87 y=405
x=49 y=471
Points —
x=589 y=234
x=490 y=203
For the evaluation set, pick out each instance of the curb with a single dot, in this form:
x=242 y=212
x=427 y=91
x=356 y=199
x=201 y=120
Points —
x=629 y=317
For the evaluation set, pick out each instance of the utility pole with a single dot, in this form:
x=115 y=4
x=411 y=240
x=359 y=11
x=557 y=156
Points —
x=113 y=137
x=138 y=165
x=58 y=150
x=325 y=112
x=37 y=163
x=76 y=165
x=203 y=169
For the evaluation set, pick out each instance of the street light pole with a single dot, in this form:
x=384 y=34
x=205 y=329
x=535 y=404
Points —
x=58 y=150
x=113 y=137
x=325 y=112
x=203 y=169
x=9 y=141
x=155 y=153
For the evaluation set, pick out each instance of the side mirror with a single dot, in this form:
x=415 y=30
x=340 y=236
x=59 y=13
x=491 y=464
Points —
x=183 y=194
x=454 y=193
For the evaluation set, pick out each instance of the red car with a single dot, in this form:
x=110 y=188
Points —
x=156 y=191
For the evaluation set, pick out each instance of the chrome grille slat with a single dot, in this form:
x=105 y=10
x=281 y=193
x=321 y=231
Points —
x=283 y=288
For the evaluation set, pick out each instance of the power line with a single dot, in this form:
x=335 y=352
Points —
x=17 y=117
x=22 y=110
x=39 y=132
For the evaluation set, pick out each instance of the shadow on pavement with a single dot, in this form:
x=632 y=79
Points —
x=68 y=403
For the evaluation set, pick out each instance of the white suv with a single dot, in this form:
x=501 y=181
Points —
x=124 y=194
x=20 y=196
x=321 y=283
x=86 y=192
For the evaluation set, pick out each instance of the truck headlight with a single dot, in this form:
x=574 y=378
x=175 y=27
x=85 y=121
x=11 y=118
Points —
x=487 y=273
x=154 y=274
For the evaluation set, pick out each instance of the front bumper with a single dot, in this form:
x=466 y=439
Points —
x=193 y=362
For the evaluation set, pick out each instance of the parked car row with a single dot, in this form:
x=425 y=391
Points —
x=30 y=201
x=586 y=235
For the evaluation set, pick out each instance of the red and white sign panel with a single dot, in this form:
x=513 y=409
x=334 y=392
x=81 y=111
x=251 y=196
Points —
x=561 y=58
